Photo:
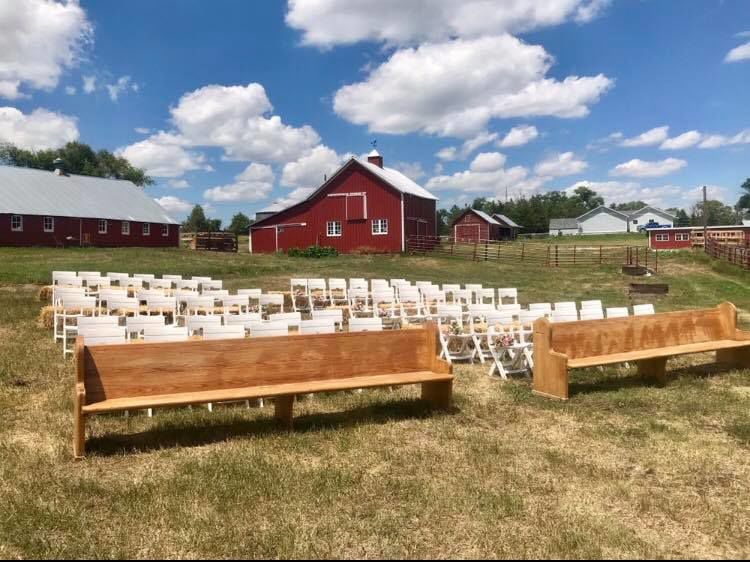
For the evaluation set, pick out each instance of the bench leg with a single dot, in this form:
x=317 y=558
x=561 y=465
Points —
x=737 y=358
x=654 y=368
x=284 y=410
x=79 y=436
x=438 y=394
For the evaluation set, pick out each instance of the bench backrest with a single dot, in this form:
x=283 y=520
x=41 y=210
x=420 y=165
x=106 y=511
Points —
x=143 y=369
x=591 y=338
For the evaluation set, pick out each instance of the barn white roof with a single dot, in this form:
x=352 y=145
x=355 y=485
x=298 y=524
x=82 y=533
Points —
x=398 y=180
x=26 y=191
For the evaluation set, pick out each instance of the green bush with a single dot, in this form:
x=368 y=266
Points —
x=313 y=252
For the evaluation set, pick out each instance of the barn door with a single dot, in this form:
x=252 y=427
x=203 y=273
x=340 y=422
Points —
x=356 y=207
x=467 y=232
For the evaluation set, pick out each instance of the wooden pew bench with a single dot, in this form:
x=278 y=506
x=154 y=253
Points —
x=648 y=341
x=112 y=378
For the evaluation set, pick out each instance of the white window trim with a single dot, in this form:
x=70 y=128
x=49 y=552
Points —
x=681 y=237
x=380 y=222
x=44 y=224
x=146 y=229
x=662 y=237
x=20 y=223
x=328 y=229
x=125 y=231
x=99 y=226
x=165 y=230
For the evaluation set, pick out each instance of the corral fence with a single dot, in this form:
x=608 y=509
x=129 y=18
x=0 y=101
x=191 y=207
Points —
x=548 y=255
x=737 y=254
x=215 y=241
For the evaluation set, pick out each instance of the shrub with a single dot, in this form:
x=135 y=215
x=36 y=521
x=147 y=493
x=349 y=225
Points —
x=313 y=252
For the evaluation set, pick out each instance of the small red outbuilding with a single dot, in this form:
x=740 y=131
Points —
x=363 y=206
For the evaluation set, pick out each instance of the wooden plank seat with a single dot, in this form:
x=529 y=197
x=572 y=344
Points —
x=648 y=341
x=112 y=378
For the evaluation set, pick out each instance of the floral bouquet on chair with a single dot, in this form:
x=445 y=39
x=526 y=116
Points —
x=505 y=341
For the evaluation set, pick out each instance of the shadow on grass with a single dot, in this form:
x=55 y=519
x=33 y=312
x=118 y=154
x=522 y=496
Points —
x=191 y=435
x=595 y=381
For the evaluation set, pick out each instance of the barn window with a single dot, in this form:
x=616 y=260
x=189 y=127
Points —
x=333 y=228
x=165 y=230
x=125 y=228
x=379 y=226
x=102 y=226
x=662 y=237
x=16 y=223
x=146 y=229
x=681 y=237
x=49 y=224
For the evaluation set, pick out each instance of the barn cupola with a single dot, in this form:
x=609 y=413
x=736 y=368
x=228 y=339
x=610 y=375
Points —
x=375 y=158
x=59 y=169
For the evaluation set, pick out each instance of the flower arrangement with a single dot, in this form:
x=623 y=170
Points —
x=505 y=341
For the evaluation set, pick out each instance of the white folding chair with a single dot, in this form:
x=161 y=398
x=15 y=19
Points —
x=131 y=283
x=317 y=326
x=254 y=296
x=163 y=306
x=618 y=312
x=68 y=311
x=300 y=296
x=152 y=334
x=592 y=313
x=136 y=324
x=358 y=283
x=210 y=285
x=514 y=309
x=172 y=277
x=337 y=291
x=508 y=295
x=564 y=315
x=218 y=332
x=65 y=274
x=201 y=280
x=244 y=319
x=455 y=343
x=509 y=350
x=366 y=325
x=102 y=335
x=335 y=314
x=186 y=285
x=145 y=278
x=486 y=296
x=410 y=304
x=591 y=304
x=200 y=304
x=195 y=323
x=379 y=285
x=450 y=290
x=384 y=303
x=432 y=297
x=232 y=303
x=359 y=299
x=543 y=308
x=86 y=275
x=474 y=288
x=565 y=306
x=95 y=283
x=118 y=278
x=266 y=329
x=271 y=301
x=317 y=293
x=163 y=284
x=292 y=319
x=643 y=309
x=396 y=282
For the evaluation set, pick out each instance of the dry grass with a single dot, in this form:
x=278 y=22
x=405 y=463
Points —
x=622 y=470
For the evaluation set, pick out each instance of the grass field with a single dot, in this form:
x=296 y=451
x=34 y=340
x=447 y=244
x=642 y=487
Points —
x=623 y=469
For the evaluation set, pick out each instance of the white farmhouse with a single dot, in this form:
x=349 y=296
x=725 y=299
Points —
x=603 y=220
x=650 y=214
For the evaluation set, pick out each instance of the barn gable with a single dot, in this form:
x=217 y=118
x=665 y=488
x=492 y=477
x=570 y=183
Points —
x=603 y=220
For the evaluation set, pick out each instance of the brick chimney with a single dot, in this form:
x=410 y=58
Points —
x=375 y=158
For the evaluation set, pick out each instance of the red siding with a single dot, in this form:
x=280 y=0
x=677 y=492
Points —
x=419 y=216
x=382 y=202
x=472 y=228
x=722 y=234
x=672 y=243
x=68 y=231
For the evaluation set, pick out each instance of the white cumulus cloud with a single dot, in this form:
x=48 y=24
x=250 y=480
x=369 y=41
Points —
x=174 y=205
x=518 y=136
x=294 y=197
x=309 y=170
x=487 y=162
x=486 y=174
x=455 y=88
x=39 y=130
x=122 y=85
x=39 y=39
x=89 y=84
x=685 y=140
x=662 y=196
x=740 y=53
x=644 y=169
x=651 y=137
x=556 y=165
x=164 y=155
x=326 y=23
x=253 y=184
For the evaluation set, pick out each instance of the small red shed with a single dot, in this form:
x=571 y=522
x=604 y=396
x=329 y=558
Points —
x=473 y=225
x=363 y=206
x=681 y=237
x=42 y=208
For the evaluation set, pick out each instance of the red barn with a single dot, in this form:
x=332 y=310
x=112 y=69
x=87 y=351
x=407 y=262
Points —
x=363 y=206
x=41 y=208
x=473 y=225
x=681 y=237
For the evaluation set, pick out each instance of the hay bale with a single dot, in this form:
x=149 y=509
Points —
x=46 y=317
x=45 y=293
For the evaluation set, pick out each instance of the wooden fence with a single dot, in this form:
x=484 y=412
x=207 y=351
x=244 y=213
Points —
x=548 y=255
x=738 y=254
x=215 y=241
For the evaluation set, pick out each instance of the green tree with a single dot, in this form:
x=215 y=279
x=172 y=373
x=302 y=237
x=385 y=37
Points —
x=744 y=202
x=681 y=218
x=717 y=213
x=78 y=158
x=196 y=221
x=588 y=197
x=629 y=206
x=214 y=225
x=240 y=224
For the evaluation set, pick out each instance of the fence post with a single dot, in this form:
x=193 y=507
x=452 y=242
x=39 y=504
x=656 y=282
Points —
x=600 y=254
x=522 y=250
x=547 y=262
x=474 y=257
x=557 y=259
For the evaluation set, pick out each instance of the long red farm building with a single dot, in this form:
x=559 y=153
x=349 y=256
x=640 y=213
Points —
x=42 y=208
x=363 y=206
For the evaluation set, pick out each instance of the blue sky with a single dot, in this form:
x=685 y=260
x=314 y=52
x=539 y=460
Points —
x=244 y=106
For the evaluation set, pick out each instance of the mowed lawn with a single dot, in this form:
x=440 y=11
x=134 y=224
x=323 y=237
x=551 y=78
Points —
x=624 y=469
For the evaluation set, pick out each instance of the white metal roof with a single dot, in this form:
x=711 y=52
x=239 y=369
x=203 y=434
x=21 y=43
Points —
x=486 y=217
x=507 y=221
x=398 y=180
x=26 y=191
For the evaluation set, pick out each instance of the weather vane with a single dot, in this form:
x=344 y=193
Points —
x=374 y=143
